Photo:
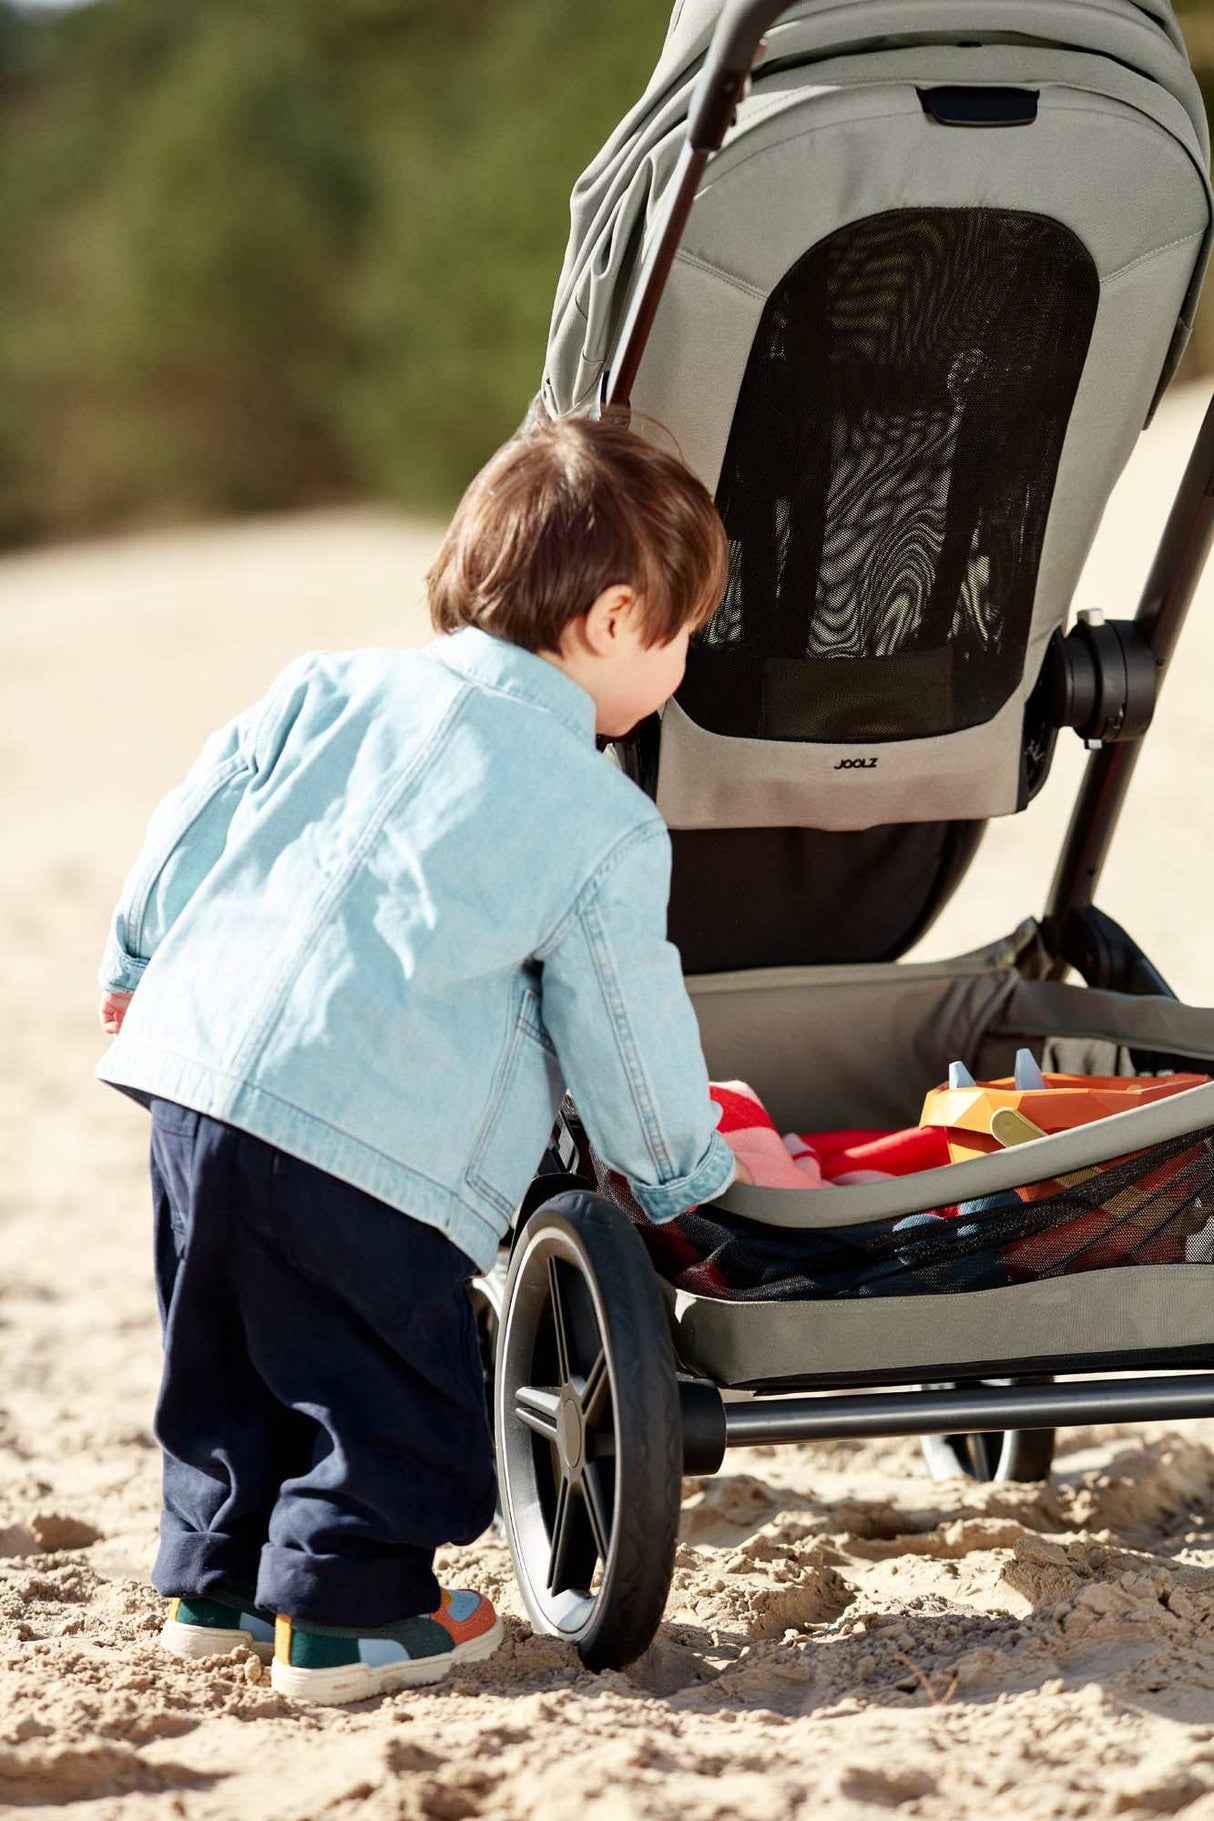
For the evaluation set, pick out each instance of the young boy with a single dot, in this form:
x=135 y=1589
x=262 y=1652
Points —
x=391 y=911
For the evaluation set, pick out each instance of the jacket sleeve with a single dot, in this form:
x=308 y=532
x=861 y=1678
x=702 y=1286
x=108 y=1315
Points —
x=187 y=834
x=617 y=1011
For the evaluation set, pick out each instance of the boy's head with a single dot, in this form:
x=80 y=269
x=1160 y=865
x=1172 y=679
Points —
x=594 y=548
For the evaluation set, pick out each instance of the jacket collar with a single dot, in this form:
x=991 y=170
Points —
x=496 y=664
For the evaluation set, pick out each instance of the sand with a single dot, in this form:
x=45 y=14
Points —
x=844 y=1638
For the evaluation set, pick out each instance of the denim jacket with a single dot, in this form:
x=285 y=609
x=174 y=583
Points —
x=391 y=913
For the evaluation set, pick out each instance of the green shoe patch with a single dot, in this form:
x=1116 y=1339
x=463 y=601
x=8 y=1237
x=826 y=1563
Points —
x=311 y=1651
x=216 y=1615
x=219 y=1610
x=334 y=1646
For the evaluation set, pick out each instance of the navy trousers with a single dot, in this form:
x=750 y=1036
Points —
x=322 y=1411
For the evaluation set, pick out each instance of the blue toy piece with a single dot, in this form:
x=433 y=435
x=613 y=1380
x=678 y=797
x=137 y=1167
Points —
x=989 y=1204
x=1027 y=1073
x=954 y=1270
x=918 y=1220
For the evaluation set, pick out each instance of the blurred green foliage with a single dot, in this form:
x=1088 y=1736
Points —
x=261 y=253
x=265 y=253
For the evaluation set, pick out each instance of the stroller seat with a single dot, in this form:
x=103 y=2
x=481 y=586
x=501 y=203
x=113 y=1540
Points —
x=910 y=357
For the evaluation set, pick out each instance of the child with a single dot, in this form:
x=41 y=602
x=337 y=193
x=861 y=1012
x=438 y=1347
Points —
x=389 y=913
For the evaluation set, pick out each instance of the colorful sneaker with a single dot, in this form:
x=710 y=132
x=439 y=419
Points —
x=211 y=1626
x=332 y=1664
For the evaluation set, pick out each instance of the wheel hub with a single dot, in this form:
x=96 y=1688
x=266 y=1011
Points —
x=570 y=1430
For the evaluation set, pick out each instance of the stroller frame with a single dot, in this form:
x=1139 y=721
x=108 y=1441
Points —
x=596 y=1416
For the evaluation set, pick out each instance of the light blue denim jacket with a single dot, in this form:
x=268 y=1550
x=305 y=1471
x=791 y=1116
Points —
x=391 y=912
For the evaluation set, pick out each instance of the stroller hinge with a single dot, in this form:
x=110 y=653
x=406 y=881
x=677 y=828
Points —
x=1102 y=679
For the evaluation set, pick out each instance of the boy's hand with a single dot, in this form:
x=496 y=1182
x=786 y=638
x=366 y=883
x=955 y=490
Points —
x=742 y=1172
x=113 y=1011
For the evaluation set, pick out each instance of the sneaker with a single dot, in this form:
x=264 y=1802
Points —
x=224 y=1620
x=332 y=1664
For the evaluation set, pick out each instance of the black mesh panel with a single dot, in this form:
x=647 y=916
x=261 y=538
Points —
x=1153 y=1208
x=888 y=478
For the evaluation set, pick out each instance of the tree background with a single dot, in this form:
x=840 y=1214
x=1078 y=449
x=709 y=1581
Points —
x=258 y=254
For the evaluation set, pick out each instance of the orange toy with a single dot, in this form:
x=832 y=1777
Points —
x=984 y=1116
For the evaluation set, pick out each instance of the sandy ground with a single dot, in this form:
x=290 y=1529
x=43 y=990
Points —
x=845 y=1638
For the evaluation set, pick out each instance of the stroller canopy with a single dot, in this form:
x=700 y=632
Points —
x=928 y=294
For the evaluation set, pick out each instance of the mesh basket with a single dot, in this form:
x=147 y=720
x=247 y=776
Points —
x=1153 y=1207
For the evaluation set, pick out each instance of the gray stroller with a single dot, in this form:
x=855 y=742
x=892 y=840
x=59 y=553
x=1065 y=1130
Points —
x=905 y=278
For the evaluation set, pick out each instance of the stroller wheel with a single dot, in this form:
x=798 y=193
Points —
x=999 y=1454
x=589 y=1440
x=486 y=1293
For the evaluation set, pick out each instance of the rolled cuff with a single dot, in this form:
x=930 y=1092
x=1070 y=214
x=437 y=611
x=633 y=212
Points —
x=711 y=1177
x=120 y=972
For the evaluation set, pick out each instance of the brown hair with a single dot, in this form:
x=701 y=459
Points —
x=569 y=507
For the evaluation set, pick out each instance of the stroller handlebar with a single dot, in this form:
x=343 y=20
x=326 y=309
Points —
x=714 y=102
x=735 y=41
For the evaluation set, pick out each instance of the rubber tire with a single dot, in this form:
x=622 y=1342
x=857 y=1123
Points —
x=593 y=1233
x=486 y=1293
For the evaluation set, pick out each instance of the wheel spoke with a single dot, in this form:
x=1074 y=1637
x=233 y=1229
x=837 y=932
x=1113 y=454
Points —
x=985 y=1449
x=538 y=1410
x=575 y=1322
x=560 y=1321
x=594 y=1389
x=573 y=1550
x=558 y=1552
x=596 y=1511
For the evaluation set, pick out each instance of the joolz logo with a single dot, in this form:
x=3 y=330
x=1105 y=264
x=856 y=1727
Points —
x=855 y=765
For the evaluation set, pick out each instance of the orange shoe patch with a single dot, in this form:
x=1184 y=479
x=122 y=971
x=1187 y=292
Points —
x=481 y=1619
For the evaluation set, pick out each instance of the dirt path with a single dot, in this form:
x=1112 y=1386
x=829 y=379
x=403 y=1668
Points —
x=845 y=1638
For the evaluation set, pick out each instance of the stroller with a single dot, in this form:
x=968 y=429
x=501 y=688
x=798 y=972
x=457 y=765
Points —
x=905 y=279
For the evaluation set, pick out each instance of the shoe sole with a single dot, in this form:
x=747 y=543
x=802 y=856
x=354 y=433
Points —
x=192 y=1642
x=361 y=1681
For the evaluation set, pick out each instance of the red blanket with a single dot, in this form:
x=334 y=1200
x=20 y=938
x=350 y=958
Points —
x=808 y=1160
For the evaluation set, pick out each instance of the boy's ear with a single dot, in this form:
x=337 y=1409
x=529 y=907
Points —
x=608 y=616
